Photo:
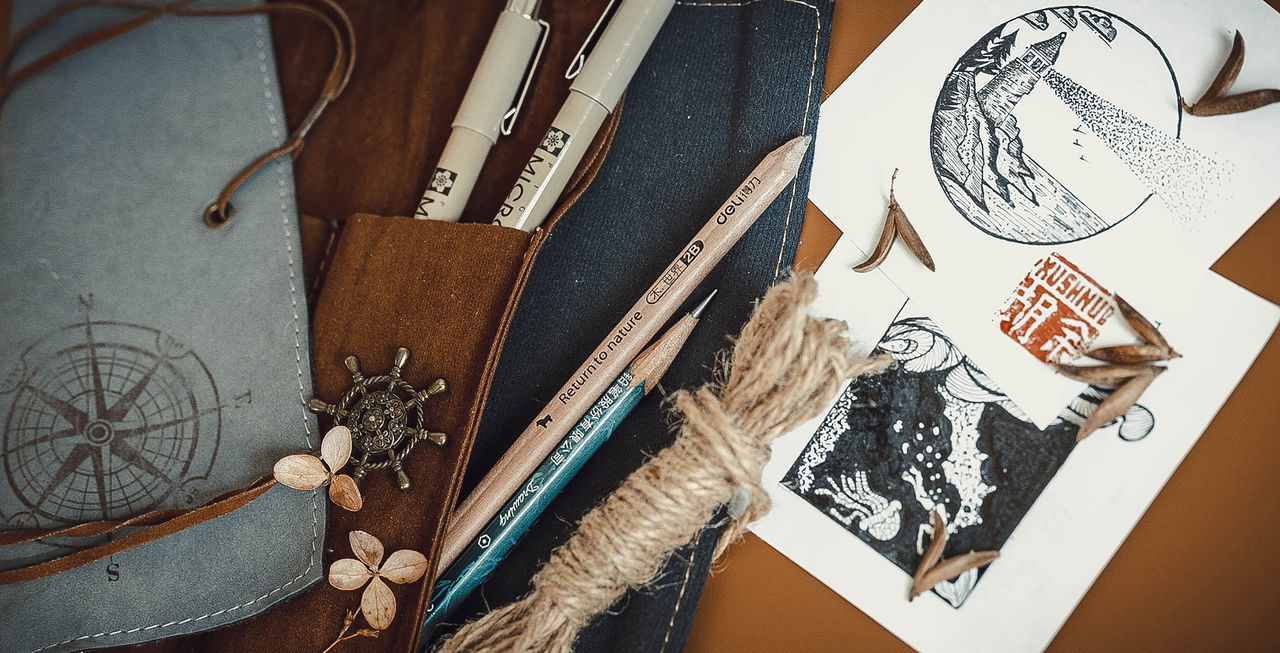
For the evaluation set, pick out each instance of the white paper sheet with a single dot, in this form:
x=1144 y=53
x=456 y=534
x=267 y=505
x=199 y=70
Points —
x=1058 y=546
x=1065 y=125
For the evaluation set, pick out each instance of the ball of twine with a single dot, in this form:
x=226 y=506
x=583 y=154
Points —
x=785 y=366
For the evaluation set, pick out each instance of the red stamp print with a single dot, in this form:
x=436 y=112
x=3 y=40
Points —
x=1056 y=311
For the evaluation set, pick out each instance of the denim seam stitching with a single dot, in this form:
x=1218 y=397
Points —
x=315 y=508
x=808 y=102
x=688 y=570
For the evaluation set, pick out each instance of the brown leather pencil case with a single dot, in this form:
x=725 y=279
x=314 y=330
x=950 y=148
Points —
x=378 y=282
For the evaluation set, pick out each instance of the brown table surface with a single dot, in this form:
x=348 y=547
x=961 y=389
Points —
x=1200 y=571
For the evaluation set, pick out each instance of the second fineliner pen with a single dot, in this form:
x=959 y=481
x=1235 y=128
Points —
x=592 y=96
x=485 y=108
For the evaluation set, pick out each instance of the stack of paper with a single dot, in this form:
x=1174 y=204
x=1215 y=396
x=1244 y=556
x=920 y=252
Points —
x=1044 y=159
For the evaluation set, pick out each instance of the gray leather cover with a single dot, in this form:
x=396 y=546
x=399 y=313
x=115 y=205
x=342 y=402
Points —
x=109 y=282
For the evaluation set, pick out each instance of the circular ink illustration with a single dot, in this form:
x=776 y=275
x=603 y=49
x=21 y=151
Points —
x=1060 y=124
x=107 y=420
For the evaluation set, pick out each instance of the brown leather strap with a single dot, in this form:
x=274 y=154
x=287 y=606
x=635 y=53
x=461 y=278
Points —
x=105 y=526
x=219 y=213
x=183 y=521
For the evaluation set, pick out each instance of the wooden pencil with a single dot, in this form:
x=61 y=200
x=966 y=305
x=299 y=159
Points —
x=638 y=326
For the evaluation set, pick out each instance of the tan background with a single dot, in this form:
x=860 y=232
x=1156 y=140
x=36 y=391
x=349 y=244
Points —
x=1199 y=572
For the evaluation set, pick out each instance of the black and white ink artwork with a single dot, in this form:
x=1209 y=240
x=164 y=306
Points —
x=1061 y=123
x=935 y=432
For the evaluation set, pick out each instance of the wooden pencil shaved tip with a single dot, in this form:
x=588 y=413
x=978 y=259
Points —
x=1216 y=102
x=1120 y=401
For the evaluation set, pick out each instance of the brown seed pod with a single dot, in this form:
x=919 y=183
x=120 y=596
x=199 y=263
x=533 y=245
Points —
x=896 y=224
x=1108 y=375
x=951 y=568
x=1216 y=102
x=1119 y=402
x=932 y=553
x=881 y=252
x=1142 y=326
x=1143 y=353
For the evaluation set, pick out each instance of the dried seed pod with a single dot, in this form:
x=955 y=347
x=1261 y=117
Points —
x=951 y=568
x=896 y=224
x=1119 y=402
x=1141 y=325
x=908 y=233
x=932 y=553
x=1230 y=69
x=1143 y=353
x=1238 y=103
x=1107 y=376
x=881 y=252
x=1216 y=102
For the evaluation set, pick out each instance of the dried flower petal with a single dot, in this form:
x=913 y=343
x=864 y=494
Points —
x=335 y=449
x=301 y=472
x=1119 y=401
x=366 y=547
x=1107 y=376
x=349 y=574
x=344 y=492
x=378 y=604
x=1141 y=325
x=404 y=566
x=1143 y=353
x=951 y=568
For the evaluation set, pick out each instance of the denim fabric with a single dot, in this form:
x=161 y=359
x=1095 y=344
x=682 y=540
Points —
x=106 y=162
x=723 y=85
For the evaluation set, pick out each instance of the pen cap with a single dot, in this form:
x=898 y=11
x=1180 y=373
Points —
x=498 y=75
x=621 y=48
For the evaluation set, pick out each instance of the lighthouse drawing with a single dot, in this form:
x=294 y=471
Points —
x=1094 y=160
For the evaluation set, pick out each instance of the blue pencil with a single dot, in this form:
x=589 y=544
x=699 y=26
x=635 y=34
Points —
x=502 y=532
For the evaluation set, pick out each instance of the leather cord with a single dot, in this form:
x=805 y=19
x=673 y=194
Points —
x=220 y=212
x=160 y=523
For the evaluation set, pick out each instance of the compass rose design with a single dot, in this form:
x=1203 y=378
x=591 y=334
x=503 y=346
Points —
x=107 y=420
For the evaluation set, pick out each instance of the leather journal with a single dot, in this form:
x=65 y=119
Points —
x=150 y=362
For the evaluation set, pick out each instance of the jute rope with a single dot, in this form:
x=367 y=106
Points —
x=784 y=368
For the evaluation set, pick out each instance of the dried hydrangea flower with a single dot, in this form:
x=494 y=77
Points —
x=377 y=603
x=304 y=471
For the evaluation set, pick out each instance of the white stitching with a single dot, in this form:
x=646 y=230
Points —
x=315 y=506
x=808 y=100
x=693 y=555
x=804 y=125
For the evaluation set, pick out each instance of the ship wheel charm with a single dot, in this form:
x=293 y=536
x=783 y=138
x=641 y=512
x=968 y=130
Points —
x=384 y=414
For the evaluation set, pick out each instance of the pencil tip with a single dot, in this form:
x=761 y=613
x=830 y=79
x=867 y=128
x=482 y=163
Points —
x=697 y=312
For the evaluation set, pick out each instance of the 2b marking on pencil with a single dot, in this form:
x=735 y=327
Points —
x=677 y=268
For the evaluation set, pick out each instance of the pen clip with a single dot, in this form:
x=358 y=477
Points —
x=509 y=118
x=575 y=66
